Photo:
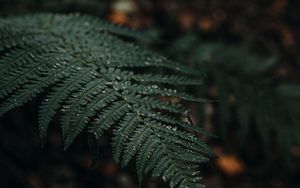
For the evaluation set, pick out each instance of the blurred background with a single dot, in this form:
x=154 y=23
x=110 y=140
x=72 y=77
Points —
x=248 y=52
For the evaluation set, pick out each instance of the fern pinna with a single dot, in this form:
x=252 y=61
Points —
x=86 y=70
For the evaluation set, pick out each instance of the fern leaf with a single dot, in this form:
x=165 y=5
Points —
x=156 y=90
x=165 y=79
x=29 y=91
x=54 y=99
x=157 y=104
x=121 y=134
x=145 y=154
x=23 y=74
x=77 y=102
x=140 y=135
x=89 y=111
x=86 y=71
x=108 y=117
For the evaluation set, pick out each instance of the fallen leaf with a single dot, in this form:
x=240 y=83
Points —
x=206 y=24
x=230 y=164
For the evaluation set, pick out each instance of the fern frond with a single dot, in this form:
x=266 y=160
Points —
x=84 y=69
x=109 y=117
x=15 y=77
x=164 y=79
x=83 y=116
x=54 y=99
x=32 y=89
x=156 y=90
x=154 y=103
x=121 y=134
x=78 y=101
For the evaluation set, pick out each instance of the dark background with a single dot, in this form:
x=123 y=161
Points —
x=181 y=29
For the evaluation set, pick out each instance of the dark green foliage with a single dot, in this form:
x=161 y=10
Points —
x=86 y=70
x=246 y=92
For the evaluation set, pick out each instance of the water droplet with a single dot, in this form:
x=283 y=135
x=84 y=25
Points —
x=66 y=106
x=169 y=127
